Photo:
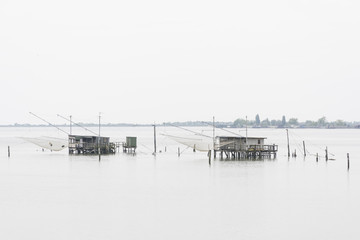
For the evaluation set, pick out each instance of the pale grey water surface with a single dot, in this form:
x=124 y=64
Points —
x=51 y=195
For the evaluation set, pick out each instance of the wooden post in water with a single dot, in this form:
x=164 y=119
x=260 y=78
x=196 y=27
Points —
x=209 y=155
x=304 y=149
x=8 y=151
x=178 y=152
x=348 y=162
x=317 y=157
x=326 y=154
x=154 y=138
x=288 y=144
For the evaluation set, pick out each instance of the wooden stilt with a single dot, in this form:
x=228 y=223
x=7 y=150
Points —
x=326 y=154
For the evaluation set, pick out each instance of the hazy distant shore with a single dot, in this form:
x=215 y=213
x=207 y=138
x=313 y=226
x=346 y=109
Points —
x=250 y=124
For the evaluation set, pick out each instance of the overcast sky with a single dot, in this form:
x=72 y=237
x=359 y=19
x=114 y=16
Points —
x=156 y=61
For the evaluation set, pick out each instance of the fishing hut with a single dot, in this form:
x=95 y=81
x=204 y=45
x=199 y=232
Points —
x=244 y=147
x=79 y=144
x=130 y=145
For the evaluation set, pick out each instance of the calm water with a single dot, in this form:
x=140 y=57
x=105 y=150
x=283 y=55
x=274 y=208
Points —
x=51 y=195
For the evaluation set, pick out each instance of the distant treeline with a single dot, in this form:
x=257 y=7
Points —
x=238 y=123
x=294 y=123
x=266 y=123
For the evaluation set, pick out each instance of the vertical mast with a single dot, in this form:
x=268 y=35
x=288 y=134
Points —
x=246 y=123
x=70 y=125
x=288 y=144
x=214 y=134
x=154 y=138
x=99 y=123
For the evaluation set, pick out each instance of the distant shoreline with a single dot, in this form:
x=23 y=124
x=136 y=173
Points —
x=180 y=124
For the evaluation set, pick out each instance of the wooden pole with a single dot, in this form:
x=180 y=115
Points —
x=246 y=146
x=178 y=152
x=348 y=162
x=209 y=155
x=304 y=149
x=317 y=157
x=154 y=139
x=70 y=125
x=326 y=154
x=288 y=144
x=8 y=151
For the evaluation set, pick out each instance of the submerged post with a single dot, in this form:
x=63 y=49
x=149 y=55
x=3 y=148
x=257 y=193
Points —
x=317 y=157
x=288 y=144
x=348 y=162
x=294 y=154
x=326 y=154
x=209 y=155
x=8 y=151
x=304 y=149
x=178 y=151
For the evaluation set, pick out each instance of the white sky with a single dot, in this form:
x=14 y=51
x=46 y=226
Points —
x=156 y=61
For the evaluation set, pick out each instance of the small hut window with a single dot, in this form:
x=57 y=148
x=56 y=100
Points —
x=258 y=141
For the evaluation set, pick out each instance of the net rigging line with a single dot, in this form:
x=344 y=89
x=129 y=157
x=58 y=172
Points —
x=196 y=133
x=311 y=144
x=298 y=145
x=184 y=150
x=146 y=146
x=49 y=123
x=225 y=130
x=78 y=125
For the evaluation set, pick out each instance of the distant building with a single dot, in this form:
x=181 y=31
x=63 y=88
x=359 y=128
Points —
x=79 y=144
x=244 y=147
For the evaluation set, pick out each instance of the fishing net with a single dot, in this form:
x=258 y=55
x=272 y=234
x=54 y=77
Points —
x=51 y=143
